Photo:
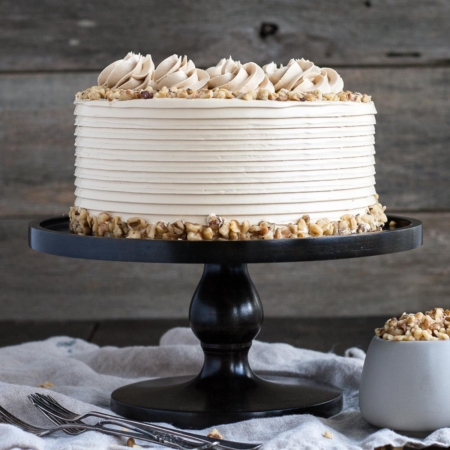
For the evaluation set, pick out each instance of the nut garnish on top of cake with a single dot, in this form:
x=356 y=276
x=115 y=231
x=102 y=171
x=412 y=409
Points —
x=135 y=77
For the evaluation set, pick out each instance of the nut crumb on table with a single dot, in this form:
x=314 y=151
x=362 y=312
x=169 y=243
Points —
x=215 y=434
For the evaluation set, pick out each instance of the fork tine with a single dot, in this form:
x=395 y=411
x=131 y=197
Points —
x=5 y=418
x=47 y=407
x=56 y=413
x=56 y=421
x=53 y=402
x=42 y=405
x=9 y=418
x=38 y=401
x=13 y=420
x=52 y=405
x=75 y=418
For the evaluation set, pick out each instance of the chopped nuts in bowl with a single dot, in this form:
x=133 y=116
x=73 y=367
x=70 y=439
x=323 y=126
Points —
x=429 y=326
x=406 y=387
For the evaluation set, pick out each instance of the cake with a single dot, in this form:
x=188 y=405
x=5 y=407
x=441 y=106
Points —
x=236 y=151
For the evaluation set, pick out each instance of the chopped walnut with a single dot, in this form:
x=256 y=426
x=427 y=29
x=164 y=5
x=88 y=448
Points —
x=432 y=326
x=215 y=434
x=218 y=228
x=95 y=93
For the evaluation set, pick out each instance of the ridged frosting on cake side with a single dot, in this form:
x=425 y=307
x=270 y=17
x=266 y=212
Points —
x=169 y=159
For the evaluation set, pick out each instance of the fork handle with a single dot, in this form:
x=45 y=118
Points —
x=163 y=438
x=146 y=427
x=105 y=430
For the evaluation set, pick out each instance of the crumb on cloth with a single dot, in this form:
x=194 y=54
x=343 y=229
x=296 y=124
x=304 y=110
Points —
x=215 y=434
x=132 y=443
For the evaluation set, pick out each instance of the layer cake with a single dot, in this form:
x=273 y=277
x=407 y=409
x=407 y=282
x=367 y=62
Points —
x=192 y=154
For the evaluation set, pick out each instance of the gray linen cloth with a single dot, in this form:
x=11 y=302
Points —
x=84 y=375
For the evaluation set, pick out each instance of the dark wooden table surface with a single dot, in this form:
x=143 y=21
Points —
x=317 y=334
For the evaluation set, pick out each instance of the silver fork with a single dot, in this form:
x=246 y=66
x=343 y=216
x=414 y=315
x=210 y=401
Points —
x=8 y=418
x=163 y=438
x=58 y=412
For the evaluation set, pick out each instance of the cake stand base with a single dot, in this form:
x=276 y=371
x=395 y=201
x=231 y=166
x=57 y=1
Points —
x=226 y=314
x=200 y=403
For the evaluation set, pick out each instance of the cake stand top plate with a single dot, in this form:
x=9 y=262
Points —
x=52 y=236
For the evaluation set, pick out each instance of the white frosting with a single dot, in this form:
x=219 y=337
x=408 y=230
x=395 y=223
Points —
x=132 y=72
x=301 y=134
x=178 y=72
x=135 y=71
x=301 y=75
x=165 y=159
x=223 y=124
x=234 y=76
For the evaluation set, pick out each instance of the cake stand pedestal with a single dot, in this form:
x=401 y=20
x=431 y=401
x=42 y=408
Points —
x=226 y=314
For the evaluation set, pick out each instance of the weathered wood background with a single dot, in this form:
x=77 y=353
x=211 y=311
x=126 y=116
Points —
x=396 y=50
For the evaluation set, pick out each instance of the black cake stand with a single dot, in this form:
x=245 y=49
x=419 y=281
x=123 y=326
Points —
x=226 y=315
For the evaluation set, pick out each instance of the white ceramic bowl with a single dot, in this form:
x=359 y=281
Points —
x=405 y=386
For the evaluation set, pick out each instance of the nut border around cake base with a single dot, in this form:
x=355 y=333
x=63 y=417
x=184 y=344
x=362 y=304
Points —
x=217 y=228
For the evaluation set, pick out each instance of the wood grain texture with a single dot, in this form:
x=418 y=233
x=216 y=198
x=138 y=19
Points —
x=44 y=287
x=342 y=333
x=18 y=332
x=413 y=161
x=80 y=35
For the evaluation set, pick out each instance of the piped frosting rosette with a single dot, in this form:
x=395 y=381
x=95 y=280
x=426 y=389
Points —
x=135 y=71
x=234 y=76
x=301 y=75
x=179 y=72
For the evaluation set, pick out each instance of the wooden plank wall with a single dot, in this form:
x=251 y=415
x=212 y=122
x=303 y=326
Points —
x=396 y=50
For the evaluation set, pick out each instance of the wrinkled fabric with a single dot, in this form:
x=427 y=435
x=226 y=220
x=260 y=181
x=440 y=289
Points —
x=84 y=375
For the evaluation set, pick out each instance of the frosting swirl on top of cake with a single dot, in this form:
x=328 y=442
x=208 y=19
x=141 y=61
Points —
x=301 y=75
x=179 y=72
x=234 y=76
x=132 y=72
x=136 y=71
